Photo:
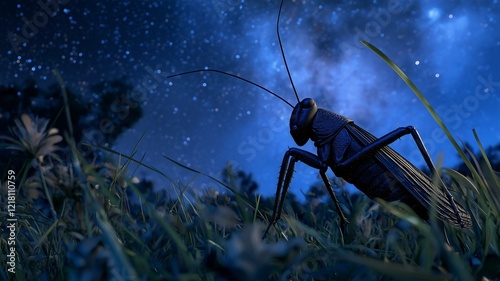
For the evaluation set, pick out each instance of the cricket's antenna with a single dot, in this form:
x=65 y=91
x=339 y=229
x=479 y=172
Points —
x=283 y=53
x=232 y=75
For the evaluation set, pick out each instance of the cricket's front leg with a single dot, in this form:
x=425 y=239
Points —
x=285 y=177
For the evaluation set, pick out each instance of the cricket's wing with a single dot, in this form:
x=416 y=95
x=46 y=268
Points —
x=414 y=180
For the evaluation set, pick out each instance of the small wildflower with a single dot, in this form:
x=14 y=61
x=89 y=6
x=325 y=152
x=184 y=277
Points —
x=33 y=138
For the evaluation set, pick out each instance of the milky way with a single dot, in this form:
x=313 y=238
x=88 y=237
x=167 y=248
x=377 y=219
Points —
x=449 y=49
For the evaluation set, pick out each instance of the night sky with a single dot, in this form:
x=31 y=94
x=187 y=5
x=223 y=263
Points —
x=450 y=49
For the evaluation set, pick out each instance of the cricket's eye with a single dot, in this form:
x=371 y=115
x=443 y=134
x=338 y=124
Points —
x=307 y=103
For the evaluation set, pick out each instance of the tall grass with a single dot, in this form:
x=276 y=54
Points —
x=78 y=221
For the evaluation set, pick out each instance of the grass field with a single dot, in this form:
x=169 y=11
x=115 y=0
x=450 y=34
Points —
x=76 y=221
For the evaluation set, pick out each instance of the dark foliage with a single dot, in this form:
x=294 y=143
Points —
x=97 y=120
x=492 y=152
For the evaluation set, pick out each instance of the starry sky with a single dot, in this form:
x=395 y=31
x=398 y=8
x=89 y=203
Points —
x=450 y=49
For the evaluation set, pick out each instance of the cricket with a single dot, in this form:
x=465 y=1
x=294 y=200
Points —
x=358 y=157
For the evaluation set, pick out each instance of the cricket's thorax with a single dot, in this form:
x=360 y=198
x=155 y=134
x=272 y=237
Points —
x=326 y=126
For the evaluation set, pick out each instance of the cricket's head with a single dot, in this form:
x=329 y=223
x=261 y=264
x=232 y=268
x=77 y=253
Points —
x=302 y=119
